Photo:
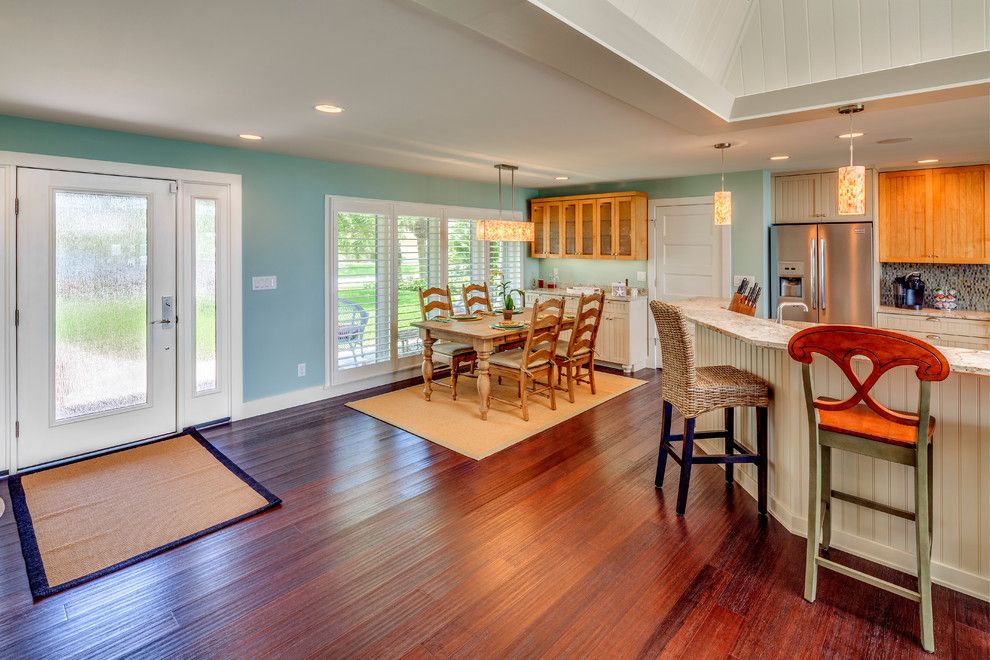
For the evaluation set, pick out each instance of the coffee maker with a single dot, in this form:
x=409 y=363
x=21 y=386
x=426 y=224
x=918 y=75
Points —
x=909 y=291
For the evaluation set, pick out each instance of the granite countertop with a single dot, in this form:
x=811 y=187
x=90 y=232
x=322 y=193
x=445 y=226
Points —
x=713 y=314
x=966 y=314
x=563 y=292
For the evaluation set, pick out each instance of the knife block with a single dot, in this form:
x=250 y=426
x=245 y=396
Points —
x=739 y=305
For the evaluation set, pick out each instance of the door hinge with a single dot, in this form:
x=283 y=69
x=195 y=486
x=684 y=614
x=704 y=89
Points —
x=17 y=429
x=17 y=317
x=17 y=206
x=173 y=187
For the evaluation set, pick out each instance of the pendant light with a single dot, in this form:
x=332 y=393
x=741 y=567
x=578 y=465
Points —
x=851 y=194
x=723 y=198
x=505 y=230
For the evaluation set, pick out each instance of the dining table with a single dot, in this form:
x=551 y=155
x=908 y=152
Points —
x=478 y=333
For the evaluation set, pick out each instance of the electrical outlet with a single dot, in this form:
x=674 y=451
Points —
x=264 y=283
x=301 y=369
x=640 y=275
x=737 y=280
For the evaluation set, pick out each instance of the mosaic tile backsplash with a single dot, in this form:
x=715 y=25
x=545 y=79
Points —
x=972 y=281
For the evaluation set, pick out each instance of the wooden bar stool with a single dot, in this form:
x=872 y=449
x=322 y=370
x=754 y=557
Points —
x=862 y=425
x=697 y=390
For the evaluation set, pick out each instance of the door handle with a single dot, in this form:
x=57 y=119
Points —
x=814 y=276
x=168 y=311
x=822 y=271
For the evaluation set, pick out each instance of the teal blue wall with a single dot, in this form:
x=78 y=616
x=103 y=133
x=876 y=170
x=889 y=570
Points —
x=283 y=229
x=750 y=220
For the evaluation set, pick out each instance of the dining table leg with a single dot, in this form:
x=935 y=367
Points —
x=484 y=351
x=427 y=364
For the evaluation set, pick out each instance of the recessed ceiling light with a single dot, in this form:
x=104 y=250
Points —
x=249 y=136
x=923 y=161
x=329 y=109
x=846 y=136
x=780 y=157
x=561 y=178
x=894 y=140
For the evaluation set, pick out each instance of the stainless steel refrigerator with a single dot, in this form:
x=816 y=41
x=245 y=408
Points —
x=828 y=267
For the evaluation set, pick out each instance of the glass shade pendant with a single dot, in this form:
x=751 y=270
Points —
x=504 y=230
x=722 y=210
x=851 y=194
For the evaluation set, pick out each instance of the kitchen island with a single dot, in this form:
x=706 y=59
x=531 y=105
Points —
x=961 y=404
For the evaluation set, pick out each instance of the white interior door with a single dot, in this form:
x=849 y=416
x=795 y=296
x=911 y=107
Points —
x=96 y=339
x=691 y=255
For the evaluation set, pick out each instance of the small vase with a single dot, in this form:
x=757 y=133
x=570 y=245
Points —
x=507 y=314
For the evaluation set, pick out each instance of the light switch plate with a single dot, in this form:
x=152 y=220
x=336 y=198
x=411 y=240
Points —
x=640 y=275
x=301 y=369
x=264 y=283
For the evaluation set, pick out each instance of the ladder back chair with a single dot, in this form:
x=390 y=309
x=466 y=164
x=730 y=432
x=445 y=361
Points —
x=534 y=358
x=477 y=298
x=578 y=350
x=697 y=390
x=862 y=425
x=434 y=303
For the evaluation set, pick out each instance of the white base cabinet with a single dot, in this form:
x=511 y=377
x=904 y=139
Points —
x=622 y=336
x=938 y=329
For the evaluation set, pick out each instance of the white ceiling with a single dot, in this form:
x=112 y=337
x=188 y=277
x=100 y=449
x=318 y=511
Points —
x=423 y=92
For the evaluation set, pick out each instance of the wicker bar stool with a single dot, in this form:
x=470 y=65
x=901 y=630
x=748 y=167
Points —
x=862 y=425
x=697 y=390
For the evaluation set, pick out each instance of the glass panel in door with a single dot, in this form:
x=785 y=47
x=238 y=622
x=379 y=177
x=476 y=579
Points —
x=363 y=314
x=553 y=229
x=606 y=211
x=418 y=245
x=101 y=293
x=623 y=240
x=586 y=219
x=571 y=244
x=205 y=241
x=538 y=247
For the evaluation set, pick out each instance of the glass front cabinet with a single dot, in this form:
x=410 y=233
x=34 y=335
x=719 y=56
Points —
x=603 y=226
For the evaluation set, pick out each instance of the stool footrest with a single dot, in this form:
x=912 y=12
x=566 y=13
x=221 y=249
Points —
x=700 y=435
x=725 y=458
x=870 y=504
x=869 y=579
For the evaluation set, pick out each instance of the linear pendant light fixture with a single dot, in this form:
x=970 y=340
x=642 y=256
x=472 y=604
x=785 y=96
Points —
x=852 y=179
x=505 y=230
x=723 y=198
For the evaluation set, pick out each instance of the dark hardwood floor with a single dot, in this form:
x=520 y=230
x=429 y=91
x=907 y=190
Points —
x=387 y=545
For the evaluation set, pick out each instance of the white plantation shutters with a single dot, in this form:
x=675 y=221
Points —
x=418 y=245
x=380 y=254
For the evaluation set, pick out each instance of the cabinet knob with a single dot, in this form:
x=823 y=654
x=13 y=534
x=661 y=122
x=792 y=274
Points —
x=933 y=337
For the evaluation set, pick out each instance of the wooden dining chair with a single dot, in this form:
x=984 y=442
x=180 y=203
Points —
x=436 y=302
x=578 y=350
x=862 y=425
x=534 y=358
x=477 y=298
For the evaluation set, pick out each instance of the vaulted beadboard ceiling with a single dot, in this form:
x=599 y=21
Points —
x=754 y=46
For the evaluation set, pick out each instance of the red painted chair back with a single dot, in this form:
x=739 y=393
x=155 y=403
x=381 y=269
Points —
x=884 y=348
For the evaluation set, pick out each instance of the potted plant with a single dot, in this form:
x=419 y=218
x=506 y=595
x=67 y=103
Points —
x=508 y=302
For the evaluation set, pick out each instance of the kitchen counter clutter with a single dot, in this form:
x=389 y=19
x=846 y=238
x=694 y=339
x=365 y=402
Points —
x=961 y=404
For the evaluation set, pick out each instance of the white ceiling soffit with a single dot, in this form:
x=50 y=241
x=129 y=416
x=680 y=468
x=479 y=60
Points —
x=742 y=59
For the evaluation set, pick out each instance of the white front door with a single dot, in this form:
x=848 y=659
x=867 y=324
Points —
x=96 y=286
x=691 y=255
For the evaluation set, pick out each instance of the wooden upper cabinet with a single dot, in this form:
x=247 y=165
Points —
x=552 y=240
x=606 y=229
x=935 y=216
x=601 y=226
x=570 y=230
x=537 y=215
x=960 y=223
x=586 y=220
x=902 y=225
x=814 y=197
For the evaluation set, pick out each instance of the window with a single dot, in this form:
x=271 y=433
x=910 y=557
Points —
x=205 y=243
x=381 y=254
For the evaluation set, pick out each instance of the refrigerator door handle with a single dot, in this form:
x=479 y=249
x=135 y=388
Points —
x=823 y=272
x=814 y=276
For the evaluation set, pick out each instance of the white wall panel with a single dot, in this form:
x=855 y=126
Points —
x=905 y=32
x=874 y=19
x=797 y=42
x=774 y=47
x=936 y=29
x=821 y=40
x=969 y=26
